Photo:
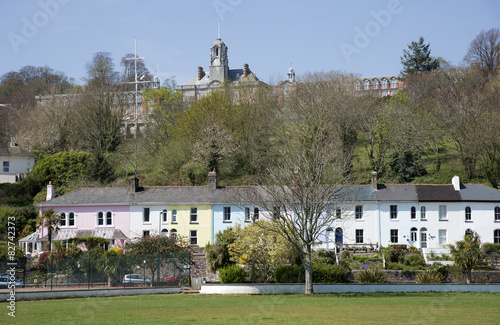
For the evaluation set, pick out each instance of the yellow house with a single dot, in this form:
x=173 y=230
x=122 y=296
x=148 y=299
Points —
x=193 y=222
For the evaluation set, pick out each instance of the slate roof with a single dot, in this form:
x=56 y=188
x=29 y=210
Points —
x=205 y=195
x=148 y=195
x=396 y=193
x=6 y=150
x=437 y=193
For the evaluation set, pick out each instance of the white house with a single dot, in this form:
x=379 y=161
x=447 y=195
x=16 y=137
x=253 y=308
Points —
x=14 y=161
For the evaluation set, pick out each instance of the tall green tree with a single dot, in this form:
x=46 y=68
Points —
x=417 y=58
x=467 y=253
x=259 y=248
x=218 y=253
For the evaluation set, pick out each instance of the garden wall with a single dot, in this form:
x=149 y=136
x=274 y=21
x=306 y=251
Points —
x=277 y=289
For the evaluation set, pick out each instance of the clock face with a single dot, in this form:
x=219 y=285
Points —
x=216 y=62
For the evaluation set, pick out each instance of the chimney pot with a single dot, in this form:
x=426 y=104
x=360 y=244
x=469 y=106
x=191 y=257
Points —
x=212 y=180
x=374 y=181
x=50 y=191
x=134 y=184
x=456 y=183
x=200 y=73
x=245 y=69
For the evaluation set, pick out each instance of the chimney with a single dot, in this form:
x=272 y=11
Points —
x=200 y=73
x=456 y=182
x=246 y=70
x=212 y=180
x=134 y=184
x=13 y=141
x=50 y=191
x=374 y=181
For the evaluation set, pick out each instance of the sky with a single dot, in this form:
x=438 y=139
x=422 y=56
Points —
x=362 y=37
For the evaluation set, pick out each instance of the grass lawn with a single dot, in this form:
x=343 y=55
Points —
x=378 y=308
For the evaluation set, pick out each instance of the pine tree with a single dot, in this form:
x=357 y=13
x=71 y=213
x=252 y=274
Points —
x=418 y=58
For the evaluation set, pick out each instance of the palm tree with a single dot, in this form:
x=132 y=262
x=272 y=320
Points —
x=50 y=220
x=467 y=253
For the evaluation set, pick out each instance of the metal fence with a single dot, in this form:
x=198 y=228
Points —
x=161 y=269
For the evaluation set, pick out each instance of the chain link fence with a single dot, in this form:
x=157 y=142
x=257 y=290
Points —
x=142 y=270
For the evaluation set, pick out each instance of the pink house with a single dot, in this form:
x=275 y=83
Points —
x=94 y=212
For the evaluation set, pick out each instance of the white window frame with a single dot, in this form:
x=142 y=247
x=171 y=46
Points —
x=193 y=237
x=393 y=211
x=247 y=215
x=394 y=236
x=146 y=212
x=496 y=236
x=468 y=213
x=413 y=213
x=227 y=214
x=443 y=213
x=359 y=212
x=193 y=215
x=443 y=236
x=414 y=234
x=62 y=219
x=255 y=214
x=359 y=236
x=68 y=220
x=164 y=216
x=174 y=216
x=497 y=213
x=104 y=218
x=423 y=213
x=6 y=166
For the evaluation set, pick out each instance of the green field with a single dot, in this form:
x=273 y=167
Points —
x=420 y=308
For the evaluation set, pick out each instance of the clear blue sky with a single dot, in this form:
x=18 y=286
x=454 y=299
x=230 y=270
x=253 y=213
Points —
x=365 y=37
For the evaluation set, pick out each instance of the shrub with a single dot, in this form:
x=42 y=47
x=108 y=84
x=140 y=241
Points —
x=395 y=254
x=395 y=266
x=429 y=276
x=371 y=275
x=491 y=248
x=415 y=259
x=289 y=274
x=329 y=273
x=232 y=274
x=117 y=250
x=444 y=270
x=345 y=254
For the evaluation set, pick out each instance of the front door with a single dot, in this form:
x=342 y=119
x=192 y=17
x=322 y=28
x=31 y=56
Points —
x=339 y=238
x=423 y=238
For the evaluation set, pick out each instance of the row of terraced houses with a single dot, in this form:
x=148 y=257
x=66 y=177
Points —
x=425 y=216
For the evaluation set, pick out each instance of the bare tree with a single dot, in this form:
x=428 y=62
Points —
x=484 y=51
x=299 y=186
x=461 y=107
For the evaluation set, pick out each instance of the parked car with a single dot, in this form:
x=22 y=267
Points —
x=5 y=282
x=176 y=279
x=136 y=278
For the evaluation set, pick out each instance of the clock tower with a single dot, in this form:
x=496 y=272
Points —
x=219 y=65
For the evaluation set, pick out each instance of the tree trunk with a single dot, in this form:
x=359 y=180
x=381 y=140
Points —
x=469 y=276
x=308 y=269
